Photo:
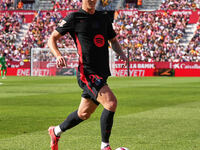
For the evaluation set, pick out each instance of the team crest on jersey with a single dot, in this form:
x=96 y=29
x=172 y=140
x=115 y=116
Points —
x=99 y=40
x=61 y=23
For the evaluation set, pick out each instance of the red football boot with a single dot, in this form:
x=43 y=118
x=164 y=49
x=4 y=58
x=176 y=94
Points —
x=107 y=148
x=54 y=139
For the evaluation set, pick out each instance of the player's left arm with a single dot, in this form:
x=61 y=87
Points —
x=117 y=48
x=113 y=40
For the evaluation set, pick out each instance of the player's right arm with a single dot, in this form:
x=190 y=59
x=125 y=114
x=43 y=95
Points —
x=52 y=43
x=65 y=25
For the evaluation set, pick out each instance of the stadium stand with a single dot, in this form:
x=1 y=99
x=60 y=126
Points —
x=66 y=4
x=152 y=36
x=10 y=26
x=43 y=4
x=151 y=4
x=194 y=46
x=180 y=4
x=41 y=28
x=6 y=4
x=57 y=4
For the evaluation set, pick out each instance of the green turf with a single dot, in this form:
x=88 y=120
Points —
x=156 y=113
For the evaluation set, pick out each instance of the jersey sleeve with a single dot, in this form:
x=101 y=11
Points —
x=66 y=25
x=111 y=32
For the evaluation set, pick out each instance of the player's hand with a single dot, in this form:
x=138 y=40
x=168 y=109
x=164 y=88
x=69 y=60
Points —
x=125 y=59
x=61 y=62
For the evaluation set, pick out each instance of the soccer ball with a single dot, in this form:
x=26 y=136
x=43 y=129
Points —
x=122 y=148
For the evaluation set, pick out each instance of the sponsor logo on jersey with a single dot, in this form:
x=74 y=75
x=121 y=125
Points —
x=99 y=40
x=61 y=23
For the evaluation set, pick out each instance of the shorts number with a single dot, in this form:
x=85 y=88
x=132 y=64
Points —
x=94 y=77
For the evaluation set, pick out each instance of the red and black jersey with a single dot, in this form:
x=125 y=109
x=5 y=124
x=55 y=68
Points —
x=91 y=34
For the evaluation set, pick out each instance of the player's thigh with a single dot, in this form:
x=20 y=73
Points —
x=107 y=98
x=3 y=68
x=86 y=108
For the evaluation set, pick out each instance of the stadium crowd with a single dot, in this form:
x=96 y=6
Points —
x=180 y=4
x=194 y=46
x=6 y=4
x=66 y=4
x=9 y=28
x=152 y=36
x=41 y=28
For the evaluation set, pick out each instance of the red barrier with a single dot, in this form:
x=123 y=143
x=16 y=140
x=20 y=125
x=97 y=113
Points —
x=18 y=64
x=187 y=69
x=194 y=15
x=28 y=14
x=187 y=72
x=62 y=12
x=144 y=65
x=186 y=65
x=181 y=69
x=136 y=69
x=27 y=72
x=133 y=72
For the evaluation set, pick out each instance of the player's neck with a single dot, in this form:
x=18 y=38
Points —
x=88 y=10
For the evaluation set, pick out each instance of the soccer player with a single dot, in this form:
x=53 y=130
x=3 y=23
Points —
x=3 y=65
x=91 y=31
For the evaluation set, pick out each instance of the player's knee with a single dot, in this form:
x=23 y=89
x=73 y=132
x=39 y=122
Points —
x=84 y=115
x=112 y=105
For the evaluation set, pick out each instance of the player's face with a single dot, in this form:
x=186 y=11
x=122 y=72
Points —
x=90 y=4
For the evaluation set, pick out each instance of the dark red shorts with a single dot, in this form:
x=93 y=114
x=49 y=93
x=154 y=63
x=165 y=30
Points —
x=91 y=85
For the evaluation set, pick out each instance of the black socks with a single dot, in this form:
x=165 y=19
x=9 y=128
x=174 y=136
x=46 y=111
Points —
x=106 y=124
x=71 y=121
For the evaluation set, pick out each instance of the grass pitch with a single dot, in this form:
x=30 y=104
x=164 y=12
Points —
x=156 y=113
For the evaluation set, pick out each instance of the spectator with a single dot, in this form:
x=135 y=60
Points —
x=20 y=5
